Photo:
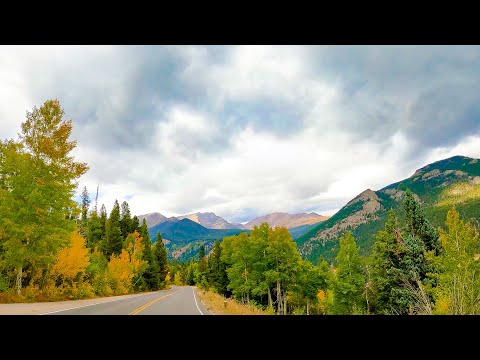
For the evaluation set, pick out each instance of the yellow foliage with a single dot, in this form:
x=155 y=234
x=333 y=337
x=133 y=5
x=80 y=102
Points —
x=71 y=261
x=322 y=301
x=121 y=272
x=442 y=306
x=177 y=279
x=459 y=193
x=167 y=278
x=123 y=268
x=31 y=291
x=135 y=250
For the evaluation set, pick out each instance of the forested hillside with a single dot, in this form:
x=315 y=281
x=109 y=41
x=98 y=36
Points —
x=437 y=187
x=413 y=268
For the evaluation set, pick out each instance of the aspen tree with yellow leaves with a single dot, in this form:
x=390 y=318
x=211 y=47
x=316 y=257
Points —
x=457 y=268
x=127 y=267
x=37 y=182
x=72 y=260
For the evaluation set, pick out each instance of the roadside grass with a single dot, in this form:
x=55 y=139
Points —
x=9 y=297
x=32 y=294
x=219 y=305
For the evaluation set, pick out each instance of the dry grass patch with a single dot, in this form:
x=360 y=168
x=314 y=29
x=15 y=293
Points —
x=459 y=193
x=218 y=305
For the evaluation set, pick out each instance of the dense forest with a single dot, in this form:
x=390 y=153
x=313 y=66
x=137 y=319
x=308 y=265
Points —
x=412 y=269
x=53 y=248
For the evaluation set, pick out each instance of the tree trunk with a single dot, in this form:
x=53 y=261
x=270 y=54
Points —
x=269 y=298
x=368 y=303
x=279 y=298
x=285 y=304
x=19 y=279
x=308 y=313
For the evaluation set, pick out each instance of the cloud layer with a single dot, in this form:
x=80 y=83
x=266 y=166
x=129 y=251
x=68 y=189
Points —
x=247 y=130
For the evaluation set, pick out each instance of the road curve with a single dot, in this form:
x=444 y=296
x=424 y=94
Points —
x=179 y=300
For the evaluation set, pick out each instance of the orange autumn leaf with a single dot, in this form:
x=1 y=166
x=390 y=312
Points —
x=73 y=260
x=120 y=270
x=135 y=249
x=129 y=263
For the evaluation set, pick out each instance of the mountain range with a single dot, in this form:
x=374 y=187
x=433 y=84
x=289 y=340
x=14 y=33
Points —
x=211 y=221
x=437 y=186
x=181 y=231
x=184 y=234
x=287 y=220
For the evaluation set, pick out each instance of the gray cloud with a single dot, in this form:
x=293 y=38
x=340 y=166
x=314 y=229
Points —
x=442 y=116
x=266 y=115
x=427 y=91
x=242 y=131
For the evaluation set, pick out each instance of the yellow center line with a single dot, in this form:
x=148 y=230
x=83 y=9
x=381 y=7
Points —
x=143 y=307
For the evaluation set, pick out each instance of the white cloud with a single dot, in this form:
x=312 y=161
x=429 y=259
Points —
x=252 y=73
x=469 y=146
x=265 y=173
x=190 y=128
x=183 y=133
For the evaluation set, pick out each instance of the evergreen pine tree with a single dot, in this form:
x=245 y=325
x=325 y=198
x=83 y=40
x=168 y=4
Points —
x=418 y=225
x=103 y=221
x=126 y=220
x=94 y=230
x=135 y=225
x=217 y=274
x=417 y=238
x=84 y=212
x=384 y=261
x=202 y=261
x=160 y=255
x=114 y=239
x=149 y=278
x=201 y=273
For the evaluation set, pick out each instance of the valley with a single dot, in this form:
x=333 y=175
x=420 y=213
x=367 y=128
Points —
x=438 y=186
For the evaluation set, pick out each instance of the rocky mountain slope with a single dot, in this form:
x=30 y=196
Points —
x=437 y=186
x=152 y=219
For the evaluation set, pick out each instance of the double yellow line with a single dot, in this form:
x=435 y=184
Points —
x=143 y=307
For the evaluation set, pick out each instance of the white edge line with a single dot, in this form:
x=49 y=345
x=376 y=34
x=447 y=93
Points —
x=78 y=307
x=194 y=296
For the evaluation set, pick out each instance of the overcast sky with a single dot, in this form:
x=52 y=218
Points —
x=243 y=131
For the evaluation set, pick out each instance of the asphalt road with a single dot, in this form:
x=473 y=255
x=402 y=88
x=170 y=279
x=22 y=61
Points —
x=179 y=300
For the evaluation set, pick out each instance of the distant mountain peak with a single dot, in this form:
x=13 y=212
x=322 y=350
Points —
x=451 y=162
x=286 y=219
x=210 y=221
x=152 y=219
x=365 y=214
x=366 y=195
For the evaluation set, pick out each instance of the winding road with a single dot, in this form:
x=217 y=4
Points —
x=179 y=300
